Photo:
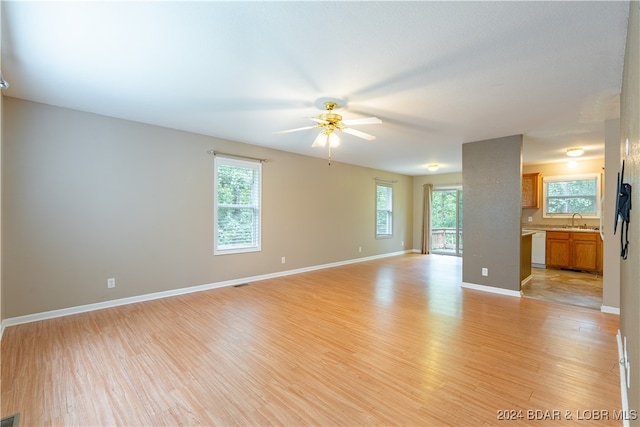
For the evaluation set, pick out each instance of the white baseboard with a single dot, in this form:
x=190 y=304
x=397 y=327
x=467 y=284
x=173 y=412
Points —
x=610 y=310
x=180 y=291
x=492 y=289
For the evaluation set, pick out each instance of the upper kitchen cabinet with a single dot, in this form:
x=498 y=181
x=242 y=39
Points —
x=531 y=190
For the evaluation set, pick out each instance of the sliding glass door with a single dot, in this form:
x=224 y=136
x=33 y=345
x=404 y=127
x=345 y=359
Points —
x=446 y=221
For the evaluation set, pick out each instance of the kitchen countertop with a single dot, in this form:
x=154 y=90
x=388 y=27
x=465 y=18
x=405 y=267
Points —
x=567 y=229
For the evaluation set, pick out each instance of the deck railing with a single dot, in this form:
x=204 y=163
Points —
x=444 y=239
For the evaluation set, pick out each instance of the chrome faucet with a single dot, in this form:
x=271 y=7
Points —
x=574 y=217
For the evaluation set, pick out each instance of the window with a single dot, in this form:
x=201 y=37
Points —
x=236 y=210
x=446 y=221
x=384 y=210
x=567 y=195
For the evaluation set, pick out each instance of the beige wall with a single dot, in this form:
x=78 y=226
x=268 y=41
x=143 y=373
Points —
x=1 y=120
x=1 y=173
x=87 y=197
x=491 y=212
x=630 y=268
x=611 y=245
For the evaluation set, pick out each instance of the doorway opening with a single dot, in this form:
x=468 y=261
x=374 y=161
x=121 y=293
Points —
x=446 y=221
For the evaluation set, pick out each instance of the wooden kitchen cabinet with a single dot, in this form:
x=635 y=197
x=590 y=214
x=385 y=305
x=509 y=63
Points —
x=557 y=249
x=578 y=251
x=584 y=251
x=531 y=190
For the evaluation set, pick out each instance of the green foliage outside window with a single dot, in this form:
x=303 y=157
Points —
x=446 y=220
x=238 y=205
x=384 y=210
x=572 y=196
x=443 y=209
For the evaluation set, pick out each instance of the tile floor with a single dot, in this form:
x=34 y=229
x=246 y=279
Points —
x=565 y=286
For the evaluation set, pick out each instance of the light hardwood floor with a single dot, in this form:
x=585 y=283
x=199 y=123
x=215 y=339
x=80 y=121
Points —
x=394 y=341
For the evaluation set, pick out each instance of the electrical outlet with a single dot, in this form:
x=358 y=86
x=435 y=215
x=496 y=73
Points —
x=111 y=283
x=402 y=244
x=485 y=271
x=283 y=260
x=359 y=248
x=530 y=219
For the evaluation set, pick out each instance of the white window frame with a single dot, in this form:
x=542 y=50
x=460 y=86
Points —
x=389 y=210
x=256 y=205
x=586 y=176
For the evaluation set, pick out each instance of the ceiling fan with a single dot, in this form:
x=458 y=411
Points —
x=330 y=122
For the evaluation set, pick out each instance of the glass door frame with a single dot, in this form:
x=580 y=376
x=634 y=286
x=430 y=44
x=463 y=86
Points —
x=459 y=246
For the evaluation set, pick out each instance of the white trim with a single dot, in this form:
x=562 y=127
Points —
x=610 y=310
x=623 y=381
x=448 y=187
x=492 y=289
x=181 y=291
x=389 y=210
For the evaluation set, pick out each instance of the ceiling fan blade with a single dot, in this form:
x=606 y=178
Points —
x=317 y=120
x=359 y=134
x=295 y=130
x=364 y=121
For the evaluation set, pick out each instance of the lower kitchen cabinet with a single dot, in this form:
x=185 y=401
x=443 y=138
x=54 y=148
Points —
x=558 y=249
x=578 y=251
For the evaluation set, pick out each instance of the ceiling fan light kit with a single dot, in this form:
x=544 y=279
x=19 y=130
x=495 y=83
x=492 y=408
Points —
x=330 y=122
x=326 y=136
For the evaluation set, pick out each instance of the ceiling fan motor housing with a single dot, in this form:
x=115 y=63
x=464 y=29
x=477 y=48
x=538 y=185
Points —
x=332 y=118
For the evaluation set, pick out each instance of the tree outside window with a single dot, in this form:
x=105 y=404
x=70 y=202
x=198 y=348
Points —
x=237 y=210
x=567 y=195
x=384 y=210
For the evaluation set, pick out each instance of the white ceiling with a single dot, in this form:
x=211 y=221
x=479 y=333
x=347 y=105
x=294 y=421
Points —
x=438 y=74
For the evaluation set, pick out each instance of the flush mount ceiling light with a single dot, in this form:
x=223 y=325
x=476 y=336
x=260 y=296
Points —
x=575 y=151
x=433 y=167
